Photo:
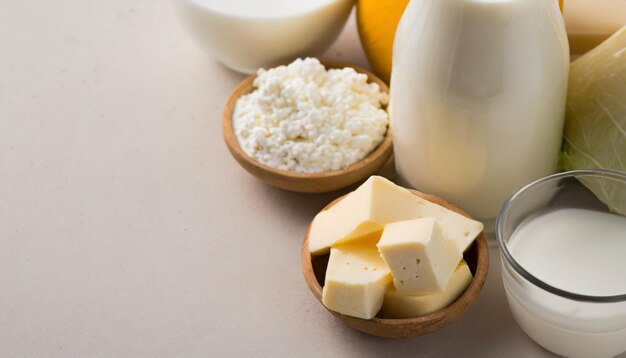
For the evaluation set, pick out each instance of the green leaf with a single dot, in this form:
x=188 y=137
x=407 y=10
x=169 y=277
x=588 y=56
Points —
x=595 y=125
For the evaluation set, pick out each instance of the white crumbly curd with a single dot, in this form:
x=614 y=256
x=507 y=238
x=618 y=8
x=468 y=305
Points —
x=303 y=118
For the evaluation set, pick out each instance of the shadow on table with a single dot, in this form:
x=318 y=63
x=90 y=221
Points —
x=302 y=208
x=487 y=329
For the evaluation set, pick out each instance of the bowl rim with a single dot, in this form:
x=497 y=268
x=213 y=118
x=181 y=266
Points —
x=517 y=267
x=443 y=316
x=233 y=143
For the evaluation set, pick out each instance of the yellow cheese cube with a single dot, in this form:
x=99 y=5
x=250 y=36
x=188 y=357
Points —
x=396 y=305
x=356 y=280
x=420 y=258
x=455 y=227
x=378 y=202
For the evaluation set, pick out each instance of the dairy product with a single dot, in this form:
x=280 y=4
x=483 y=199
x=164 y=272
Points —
x=356 y=281
x=591 y=22
x=457 y=228
x=378 y=202
x=382 y=232
x=478 y=97
x=248 y=34
x=420 y=258
x=303 y=118
x=572 y=248
x=397 y=305
x=579 y=251
x=366 y=210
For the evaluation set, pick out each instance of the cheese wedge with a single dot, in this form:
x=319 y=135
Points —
x=462 y=231
x=363 y=211
x=356 y=281
x=420 y=258
x=396 y=305
x=377 y=202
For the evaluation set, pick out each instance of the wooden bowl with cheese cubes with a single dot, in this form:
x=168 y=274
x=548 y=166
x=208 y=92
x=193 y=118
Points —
x=306 y=182
x=393 y=262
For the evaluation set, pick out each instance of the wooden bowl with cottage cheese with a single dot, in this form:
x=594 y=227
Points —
x=306 y=182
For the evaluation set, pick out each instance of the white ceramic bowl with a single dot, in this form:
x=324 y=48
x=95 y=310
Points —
x=245 y=35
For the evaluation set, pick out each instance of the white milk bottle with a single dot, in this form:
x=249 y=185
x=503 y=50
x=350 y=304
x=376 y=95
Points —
x=478 y=97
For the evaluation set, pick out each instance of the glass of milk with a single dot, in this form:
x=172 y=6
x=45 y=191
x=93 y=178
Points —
x=564 y=261
x=245 y=35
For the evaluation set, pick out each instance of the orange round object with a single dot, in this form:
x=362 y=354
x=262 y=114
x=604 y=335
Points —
x=377 y=21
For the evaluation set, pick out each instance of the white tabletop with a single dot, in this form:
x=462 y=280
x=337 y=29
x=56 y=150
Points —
x=126 y=228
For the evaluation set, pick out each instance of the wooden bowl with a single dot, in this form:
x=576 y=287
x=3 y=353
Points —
x=477 y=257
x=305 y=182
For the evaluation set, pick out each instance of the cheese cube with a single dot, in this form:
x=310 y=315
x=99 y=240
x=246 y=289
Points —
x=365 y=210
x=420 y=258
x=378 y=202
x=356 y=280
x=396 y=305
x=455 y=227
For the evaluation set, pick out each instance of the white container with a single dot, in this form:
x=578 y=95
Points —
x=478 y=97
x=563 y=263
x=589 y=23
x=245 y=35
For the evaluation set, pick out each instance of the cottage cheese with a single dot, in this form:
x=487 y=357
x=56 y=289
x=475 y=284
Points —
x=303 y=118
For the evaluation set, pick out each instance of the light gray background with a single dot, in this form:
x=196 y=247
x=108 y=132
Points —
x=126 y=229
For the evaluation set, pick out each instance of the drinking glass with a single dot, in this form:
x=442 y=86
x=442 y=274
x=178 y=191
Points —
x=564 y=322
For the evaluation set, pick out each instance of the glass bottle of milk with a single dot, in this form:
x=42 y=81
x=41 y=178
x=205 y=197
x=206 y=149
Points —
x=478 y=97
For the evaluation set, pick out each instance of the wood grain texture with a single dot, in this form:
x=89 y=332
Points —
x=477 y=257
x=305 y=182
